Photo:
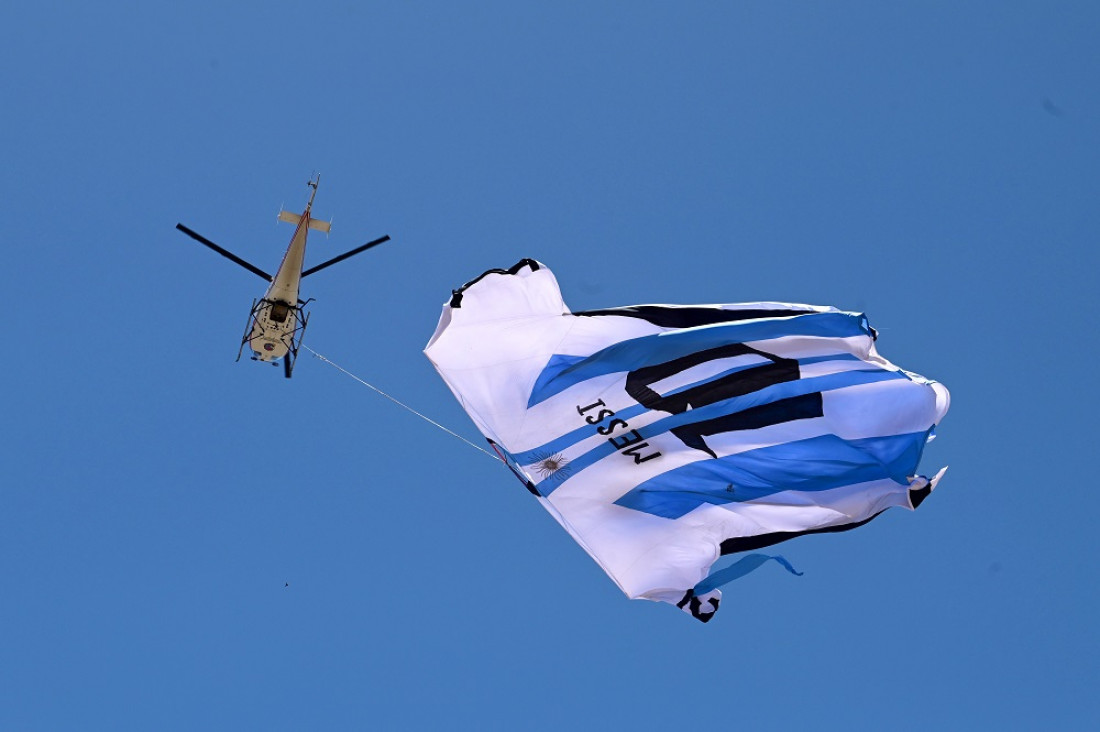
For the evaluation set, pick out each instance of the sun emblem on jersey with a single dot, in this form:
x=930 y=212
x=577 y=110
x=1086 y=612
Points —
x=552 y=466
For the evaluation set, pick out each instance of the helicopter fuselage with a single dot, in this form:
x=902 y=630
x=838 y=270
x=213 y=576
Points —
x=276 y=316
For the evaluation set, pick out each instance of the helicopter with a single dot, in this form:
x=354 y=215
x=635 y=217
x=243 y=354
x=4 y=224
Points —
x=277 y=321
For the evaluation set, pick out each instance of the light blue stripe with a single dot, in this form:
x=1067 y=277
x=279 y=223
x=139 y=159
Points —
x=559 y=444
x=569 y=439
x=816 y=464
x=828 y=357
x=829 y=382
x=729 y=372
x=563 y=372
x=554 y=367
x=739 y=569
x=784 y=390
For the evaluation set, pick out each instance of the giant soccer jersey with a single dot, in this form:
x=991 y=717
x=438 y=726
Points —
x=663 y=437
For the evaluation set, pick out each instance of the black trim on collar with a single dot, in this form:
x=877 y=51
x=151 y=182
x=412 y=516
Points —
x=689 y=317
x=456 y=295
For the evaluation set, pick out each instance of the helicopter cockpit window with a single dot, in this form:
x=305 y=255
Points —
x=279 y=311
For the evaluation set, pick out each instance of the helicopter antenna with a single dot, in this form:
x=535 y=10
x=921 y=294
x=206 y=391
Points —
x=313 y=182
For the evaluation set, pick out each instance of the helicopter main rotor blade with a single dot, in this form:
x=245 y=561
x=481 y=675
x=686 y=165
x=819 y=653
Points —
x=345 y=255
x=224 y=252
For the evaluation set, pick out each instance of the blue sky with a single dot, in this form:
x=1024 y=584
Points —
x=933 y=164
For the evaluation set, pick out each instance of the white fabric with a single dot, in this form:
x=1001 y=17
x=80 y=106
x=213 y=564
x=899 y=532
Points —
x=511 y=328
